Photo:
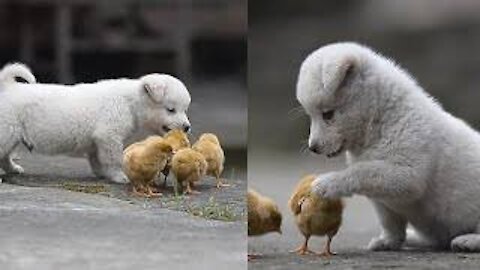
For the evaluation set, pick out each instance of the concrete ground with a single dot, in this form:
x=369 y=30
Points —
x=46 y=225
x=276 y=174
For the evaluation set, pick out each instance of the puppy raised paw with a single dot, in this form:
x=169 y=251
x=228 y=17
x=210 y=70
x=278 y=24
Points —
x=329 y=186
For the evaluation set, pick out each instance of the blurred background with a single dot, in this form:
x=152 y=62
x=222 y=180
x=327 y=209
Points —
x=201 y=42
x=438 y=42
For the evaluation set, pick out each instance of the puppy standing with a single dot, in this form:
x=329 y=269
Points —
x=417 y=163
x=93 y=119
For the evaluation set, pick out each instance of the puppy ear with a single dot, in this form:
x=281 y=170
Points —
x=155 y=90
x=335 y=72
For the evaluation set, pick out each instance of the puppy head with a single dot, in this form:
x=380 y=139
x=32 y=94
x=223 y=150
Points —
x=167 y=101
x=329 y=88
x=177 y=139
x=210 y=137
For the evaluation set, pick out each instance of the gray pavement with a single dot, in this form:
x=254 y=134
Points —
x=276 y=174
x=44 y=226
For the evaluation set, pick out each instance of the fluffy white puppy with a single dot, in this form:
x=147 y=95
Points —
x=417 y=163
x=93 y=119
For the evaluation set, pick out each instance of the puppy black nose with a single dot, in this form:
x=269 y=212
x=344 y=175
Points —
x=186 y=128
x=314 y=148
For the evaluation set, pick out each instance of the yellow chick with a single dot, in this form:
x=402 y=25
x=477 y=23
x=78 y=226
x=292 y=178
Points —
x=177 y=139
x=209 y=146
x=143 y=161
x=188 y=166
x=315 y=215
x=263 y=216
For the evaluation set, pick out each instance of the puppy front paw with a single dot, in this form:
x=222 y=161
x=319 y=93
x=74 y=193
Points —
x=382 y=243
x=119 y=178
x=329 y=186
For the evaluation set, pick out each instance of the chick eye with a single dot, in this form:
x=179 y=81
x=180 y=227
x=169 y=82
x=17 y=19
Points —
x=328 y=115
x=171 y=110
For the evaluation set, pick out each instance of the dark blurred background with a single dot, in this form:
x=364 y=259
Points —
x=201 y=42
x=438 y=42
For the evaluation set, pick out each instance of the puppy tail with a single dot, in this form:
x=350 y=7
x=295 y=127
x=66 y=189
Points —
x=10 y=71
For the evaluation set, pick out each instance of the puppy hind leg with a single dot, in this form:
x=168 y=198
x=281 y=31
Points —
x=394 y=230
x=466 y=243
x=9 y=166
x=7 y=144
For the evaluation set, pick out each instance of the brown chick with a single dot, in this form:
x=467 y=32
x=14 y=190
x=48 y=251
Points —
x=209 y=146
x=143 y=161
x=188 y=166
x=315 y=215
x=177 y=140
x=263 y=216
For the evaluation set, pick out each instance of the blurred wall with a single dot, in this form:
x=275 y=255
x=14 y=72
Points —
x=436 y=41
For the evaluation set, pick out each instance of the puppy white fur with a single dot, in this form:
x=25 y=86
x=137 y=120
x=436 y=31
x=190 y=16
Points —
x=93 y=119
x=417 y=163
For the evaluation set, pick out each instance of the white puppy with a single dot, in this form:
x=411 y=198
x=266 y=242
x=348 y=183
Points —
x=417 y=163
x=93 y=119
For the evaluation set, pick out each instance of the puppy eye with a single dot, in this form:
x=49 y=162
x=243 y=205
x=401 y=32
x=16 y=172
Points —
x=171 y=110
x=328 y=115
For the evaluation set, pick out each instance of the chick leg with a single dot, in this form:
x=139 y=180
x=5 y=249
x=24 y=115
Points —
x=326 y=250
x=220 y=184
x=139 y=191
x=219 y=181
x=303 y=249
x=190 y=190
x=151 y=193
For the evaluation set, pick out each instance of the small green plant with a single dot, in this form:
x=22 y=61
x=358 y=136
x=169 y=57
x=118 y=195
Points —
x=85 y=188
x=213 y=210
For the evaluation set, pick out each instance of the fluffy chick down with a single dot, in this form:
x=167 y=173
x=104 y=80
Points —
x=189 y=167
x=263 y=214
x=177 y=139
x=143 y=161
x=315 y=215
x=209 y=146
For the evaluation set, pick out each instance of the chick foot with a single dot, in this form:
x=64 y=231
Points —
x=191 y=191
x=220 y=184
x=303 y=249
x=151 y=193
x=148 y=192
x=326 y=251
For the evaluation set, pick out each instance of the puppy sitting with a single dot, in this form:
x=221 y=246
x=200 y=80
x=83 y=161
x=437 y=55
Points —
x=417 y=163
x=93 y=119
